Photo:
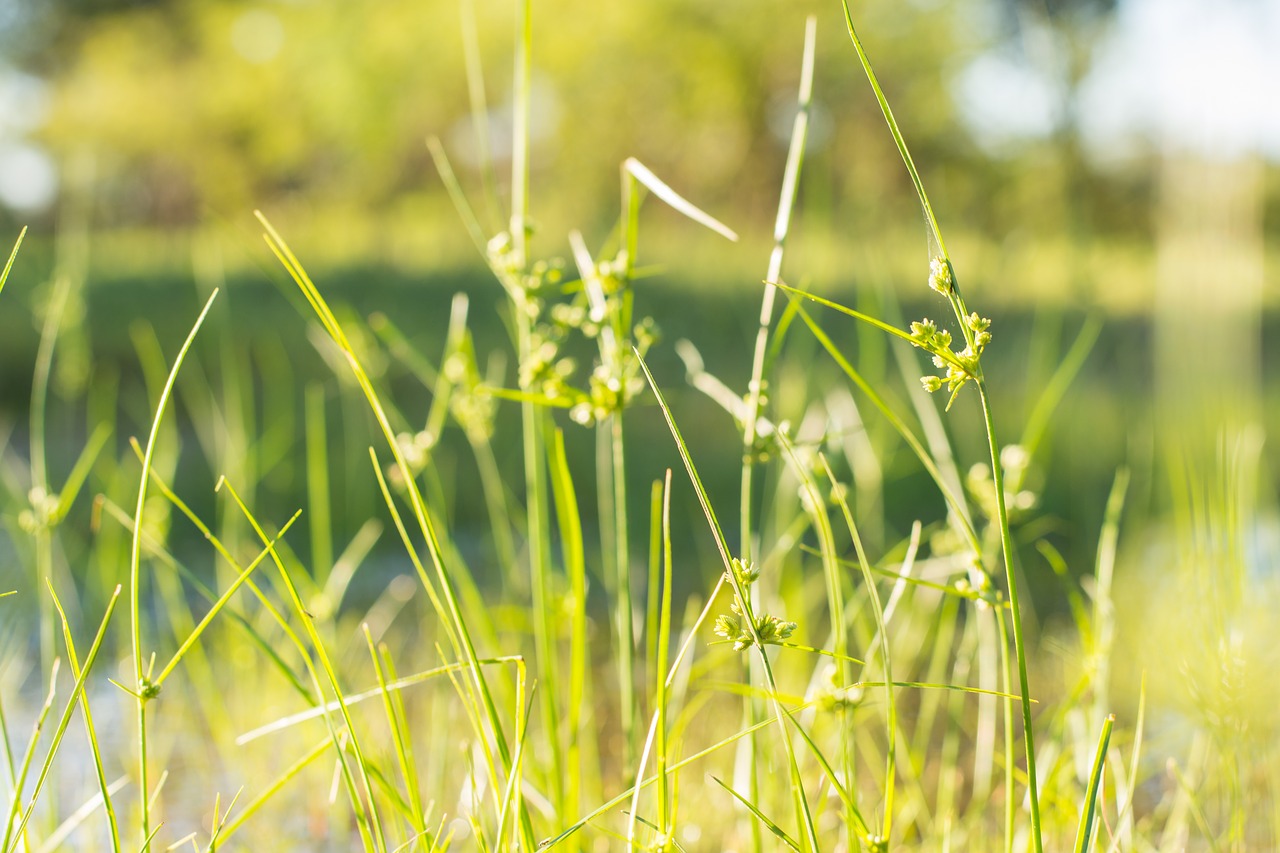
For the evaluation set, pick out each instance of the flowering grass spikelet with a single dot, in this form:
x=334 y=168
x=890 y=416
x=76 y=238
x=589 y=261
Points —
x=940 y=278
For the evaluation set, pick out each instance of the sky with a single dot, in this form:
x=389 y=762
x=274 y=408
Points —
x=1202 y=74
x=1194 y=75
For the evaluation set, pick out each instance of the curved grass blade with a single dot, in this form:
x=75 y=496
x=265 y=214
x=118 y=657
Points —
x=135 y=558
x=4 y=276
x=104 y=789
x=1084 y=834
x=898 y=424
x=760 y=816
x=1056 y=388
x=221 y=602
x=897 y=134
x=271 y=790
x=18 y=783
x=679 y=765
x=450 y=614
x=378 y=842
x=60 y=730
x=641 y=173
x=803 y=813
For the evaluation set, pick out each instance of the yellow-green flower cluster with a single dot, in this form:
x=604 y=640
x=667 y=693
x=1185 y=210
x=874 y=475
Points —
x=958 y=367
x=736 y=628
x=769 y=629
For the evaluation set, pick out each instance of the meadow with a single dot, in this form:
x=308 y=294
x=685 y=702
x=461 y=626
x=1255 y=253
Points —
x=577 y=555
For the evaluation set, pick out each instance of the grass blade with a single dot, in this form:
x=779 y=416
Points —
x=4 y=276
x=642 y=174
x=135 y=591
x=760 y=816
x=803 y=813
x=61 y=728
x=1084 y=835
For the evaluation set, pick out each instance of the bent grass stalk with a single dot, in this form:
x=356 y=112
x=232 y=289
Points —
x=451 y=611
x=804 y=814
x=372 y=833
x=144 y=693
x=91 y=733
x=18 y=783
x=755 y=388
x=961 y=314
x=18 y=827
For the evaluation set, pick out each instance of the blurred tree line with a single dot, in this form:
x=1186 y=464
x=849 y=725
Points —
x=199 y=108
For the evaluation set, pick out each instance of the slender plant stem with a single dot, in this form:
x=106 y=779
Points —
x=539 y=520
x=1019 y=643
x=135 y=591
x=755 y=388
x=40 y=487
x=622 y=565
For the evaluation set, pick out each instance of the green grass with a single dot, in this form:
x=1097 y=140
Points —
x=823 y=673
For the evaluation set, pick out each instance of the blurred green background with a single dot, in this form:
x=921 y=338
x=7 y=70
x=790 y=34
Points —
x=1114 y=158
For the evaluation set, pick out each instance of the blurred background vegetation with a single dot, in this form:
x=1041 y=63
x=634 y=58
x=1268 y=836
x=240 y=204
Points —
x=1111 y=157
x=1089 y=160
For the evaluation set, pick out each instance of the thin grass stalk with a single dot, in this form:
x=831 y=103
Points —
x=270 y=791
x=374 y=829
x=1056 y=388
x=1088 y=812
x=673 y=768
x=1125 y=817
x=1019 y=644
x=141 y=683
x=165 y=557
x=538 y=502
x=611 y=489
x=56 y=840
x=470 y=695
x=656 y=667
x=658 y=730
x=520 y=134
x=401 y=715
x=804 y=814
x=394 y=686
x=91 y=732
x=456 y=627
x=755 y=388
x=1104 y=616
x=218 y=605
x=13 y=256
x=19 y=782
x=60 y=730
x=318 y=506
x=41 y=489
x=1010 y=749
x=479 y=107
x=532 y=416
x=886 y=657
x=512 y=794
x=571 y=545
x=6 y=748
x=622 y=567
x=816 y=506
x=841 y=787
x=773 y=827
x=666 y=818
x=403 y=747
x=782 y=224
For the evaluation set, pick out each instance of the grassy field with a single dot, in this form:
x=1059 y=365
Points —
x=444 y=577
